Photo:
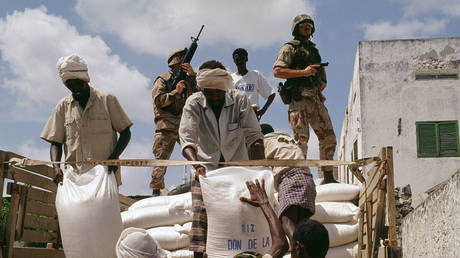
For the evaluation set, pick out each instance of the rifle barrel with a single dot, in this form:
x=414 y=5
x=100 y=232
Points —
x=199 y=33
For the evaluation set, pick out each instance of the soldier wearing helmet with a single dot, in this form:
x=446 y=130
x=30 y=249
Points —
x=168 y=102
x=298 y=62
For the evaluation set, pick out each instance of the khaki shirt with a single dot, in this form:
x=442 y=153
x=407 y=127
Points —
x=236 y=130
x=89 y=134
x=168 y=103
x=279 y=146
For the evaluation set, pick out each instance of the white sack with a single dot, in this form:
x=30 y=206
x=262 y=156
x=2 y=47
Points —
x=345 y=251
x=234 y=226
x=335 y=212
x=181 y=254
x=341 y=234
x=184 y=229
x=89 y=213
x=168 y=238
x=335 y=192
x=155 y=216
x=184 y=199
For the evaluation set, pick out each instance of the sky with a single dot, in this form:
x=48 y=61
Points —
x=126 y=44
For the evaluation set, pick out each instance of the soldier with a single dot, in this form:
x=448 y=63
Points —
x=298 y=62
x=167 y=107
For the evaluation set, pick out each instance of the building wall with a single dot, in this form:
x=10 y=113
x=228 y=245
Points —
x=432 y=229
x=392 y=101
x=351 y=127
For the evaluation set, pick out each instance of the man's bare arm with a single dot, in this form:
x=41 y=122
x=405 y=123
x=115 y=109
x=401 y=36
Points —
x=261 y=112
x=259 y=198
x=256 y=150
x=190 y=154
x=287 y=73
x=123 y=140
x=56 y=155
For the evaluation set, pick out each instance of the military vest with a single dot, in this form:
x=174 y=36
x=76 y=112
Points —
x=305 y=54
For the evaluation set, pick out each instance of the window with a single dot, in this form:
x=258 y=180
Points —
x=354 y=156
x=355 y=150
x=420 y=77
x=437 y=139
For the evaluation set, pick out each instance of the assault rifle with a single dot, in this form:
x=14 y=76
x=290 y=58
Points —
x=188 y=57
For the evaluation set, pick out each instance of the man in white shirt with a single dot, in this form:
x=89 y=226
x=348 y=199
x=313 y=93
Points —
x=252 y=82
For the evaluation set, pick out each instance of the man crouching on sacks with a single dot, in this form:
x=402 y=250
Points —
x=295 y=186
x=86 y=122
x=218 y=124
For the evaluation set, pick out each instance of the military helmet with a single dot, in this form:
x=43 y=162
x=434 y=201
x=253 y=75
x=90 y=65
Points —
x=175 y=56
x=302 y=18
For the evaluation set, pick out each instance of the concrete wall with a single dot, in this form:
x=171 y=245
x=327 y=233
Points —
x=391 y=100
x=433 y=228
x=351 y=127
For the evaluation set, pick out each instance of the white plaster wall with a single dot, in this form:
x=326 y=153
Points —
x=433 y=228
x=389 y=91
x=351 y=128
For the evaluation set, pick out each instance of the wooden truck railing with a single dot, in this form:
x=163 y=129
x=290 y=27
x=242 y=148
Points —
x=377 y=216
x=32 y=218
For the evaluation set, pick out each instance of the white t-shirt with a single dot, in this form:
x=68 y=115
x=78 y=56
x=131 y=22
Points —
x=253 y=83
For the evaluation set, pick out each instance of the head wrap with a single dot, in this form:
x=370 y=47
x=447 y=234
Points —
x=137 y=243
x=175 y=56
x=217 y=78
x=72 y=67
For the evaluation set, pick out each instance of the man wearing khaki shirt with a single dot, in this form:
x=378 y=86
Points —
x=85 y=122
x=295 y=186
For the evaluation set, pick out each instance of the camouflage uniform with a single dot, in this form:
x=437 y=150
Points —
x=167 y=107
x=307 y=107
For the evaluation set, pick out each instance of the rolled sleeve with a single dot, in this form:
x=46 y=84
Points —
x=284 y=57
x=120 y=121
x=188 y=128
x=54 y=130
x=161 y=97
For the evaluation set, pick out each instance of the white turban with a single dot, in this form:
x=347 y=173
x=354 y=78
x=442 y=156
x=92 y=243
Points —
x=216 y=78
x=72 y=67
x=137 y=243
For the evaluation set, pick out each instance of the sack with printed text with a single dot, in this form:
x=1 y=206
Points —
x=234 y=226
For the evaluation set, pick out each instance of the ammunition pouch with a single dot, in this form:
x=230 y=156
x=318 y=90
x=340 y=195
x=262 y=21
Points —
x=285 y=97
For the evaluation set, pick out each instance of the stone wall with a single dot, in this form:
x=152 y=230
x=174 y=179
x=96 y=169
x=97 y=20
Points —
x=403 y=203
x=433 y=228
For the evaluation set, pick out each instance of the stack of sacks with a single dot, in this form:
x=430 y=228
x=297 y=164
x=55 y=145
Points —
x=340 y=217
x=167 y=219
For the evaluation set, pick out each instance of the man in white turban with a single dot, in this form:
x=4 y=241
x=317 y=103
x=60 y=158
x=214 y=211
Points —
x=85 y=122
x=218 y=124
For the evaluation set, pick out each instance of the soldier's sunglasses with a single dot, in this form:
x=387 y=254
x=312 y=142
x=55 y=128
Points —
x=303 y=24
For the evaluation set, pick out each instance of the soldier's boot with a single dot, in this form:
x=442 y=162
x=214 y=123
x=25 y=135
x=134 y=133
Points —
x=328 y=177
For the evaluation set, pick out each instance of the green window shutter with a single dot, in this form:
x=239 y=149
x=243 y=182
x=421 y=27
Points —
x=427 y=140
x=448 y=138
